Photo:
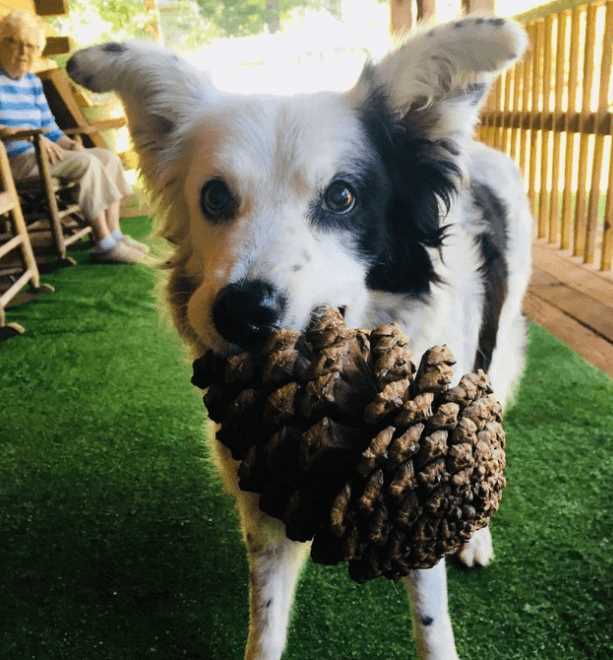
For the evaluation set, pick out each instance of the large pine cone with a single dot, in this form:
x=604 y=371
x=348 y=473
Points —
x=349 y=445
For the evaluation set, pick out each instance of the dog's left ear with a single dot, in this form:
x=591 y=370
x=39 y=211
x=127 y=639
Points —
x=438 y=78
x=162 y=94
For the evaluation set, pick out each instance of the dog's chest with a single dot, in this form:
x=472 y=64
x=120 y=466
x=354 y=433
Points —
x=450 y=315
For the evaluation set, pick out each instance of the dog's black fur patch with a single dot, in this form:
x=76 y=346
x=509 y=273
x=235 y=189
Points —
x=114 y=47
x=414 y=177
x=492 y=243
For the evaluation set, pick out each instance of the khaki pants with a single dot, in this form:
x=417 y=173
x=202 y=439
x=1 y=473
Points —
x=99 y=172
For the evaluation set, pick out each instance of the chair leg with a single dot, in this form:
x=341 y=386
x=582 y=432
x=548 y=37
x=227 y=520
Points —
x=8 y=330
x=42 y=287
x=52 y=206
x=11 y=330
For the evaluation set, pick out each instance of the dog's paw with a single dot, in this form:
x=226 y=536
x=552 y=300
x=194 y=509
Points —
x=481 y=44
x=479 y=551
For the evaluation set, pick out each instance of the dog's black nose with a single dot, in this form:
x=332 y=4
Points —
x=246 y=312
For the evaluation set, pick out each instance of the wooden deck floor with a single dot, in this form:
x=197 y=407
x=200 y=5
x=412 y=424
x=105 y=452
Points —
x=575 y=303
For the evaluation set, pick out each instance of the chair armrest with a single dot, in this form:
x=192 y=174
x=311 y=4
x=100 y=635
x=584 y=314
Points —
x=105 y=125
x=27 y=134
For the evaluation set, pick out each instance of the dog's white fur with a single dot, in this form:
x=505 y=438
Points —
x=275 y=153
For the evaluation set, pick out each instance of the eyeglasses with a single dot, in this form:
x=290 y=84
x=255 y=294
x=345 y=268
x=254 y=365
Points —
x=17 y=43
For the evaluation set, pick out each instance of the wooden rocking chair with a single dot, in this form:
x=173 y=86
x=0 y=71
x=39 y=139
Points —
x=49 y=205
x=14 y=238
x=49 y=202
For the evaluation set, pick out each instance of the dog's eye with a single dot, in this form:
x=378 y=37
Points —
x=339 y=197
x=217 y=201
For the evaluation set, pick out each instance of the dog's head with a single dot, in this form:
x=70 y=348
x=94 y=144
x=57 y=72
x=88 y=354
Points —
x=276 y=205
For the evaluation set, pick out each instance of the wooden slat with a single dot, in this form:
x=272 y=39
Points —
x=594 y=349
x=603 y=93
x=509 y=91
x=607 y=236
x=491 y=124
x=588 y=77
x=480 y=5
x=570 y=138
x=535 y=134
x=403 y=16
x=77 y=235
x=26 y=254
x=10 y=245
x=583 y=308
x=570 y=271
x=528 y=93
x=102 y=125
x=17 y=285
x=69 y=210
x=64 y=106
x=493 y=127
x=23 y=5
x=7 y=202
x=554 y=225
x=57 y=46
x=593 y=123
x=502 y=92
x=513 y=133
x=51 y=7
x=543 y=213
x=550 y=8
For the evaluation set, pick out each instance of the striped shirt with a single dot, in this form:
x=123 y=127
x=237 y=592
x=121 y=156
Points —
x=23 y=103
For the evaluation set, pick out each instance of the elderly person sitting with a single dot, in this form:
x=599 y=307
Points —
x=23 y=106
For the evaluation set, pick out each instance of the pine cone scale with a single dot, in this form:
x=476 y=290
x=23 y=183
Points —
x=381 y=464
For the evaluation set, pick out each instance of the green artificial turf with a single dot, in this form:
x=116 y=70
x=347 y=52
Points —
x=116 y=541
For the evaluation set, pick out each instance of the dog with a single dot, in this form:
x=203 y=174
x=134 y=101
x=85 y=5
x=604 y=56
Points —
x=377 y=201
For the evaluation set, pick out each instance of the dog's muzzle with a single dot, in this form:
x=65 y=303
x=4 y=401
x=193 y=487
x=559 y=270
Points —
x=246 y=312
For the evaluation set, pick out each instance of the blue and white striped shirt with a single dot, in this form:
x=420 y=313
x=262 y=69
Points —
x=23 y=103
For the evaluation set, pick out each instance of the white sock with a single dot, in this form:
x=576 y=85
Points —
x=105 y=244
x=117 y=234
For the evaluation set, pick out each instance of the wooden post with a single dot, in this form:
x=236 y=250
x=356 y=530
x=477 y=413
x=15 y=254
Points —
x=567 y=205
x=51 y=7
x=556 y=176
x=598 y=157
x=580 y=236
x=153 y=27
x=403 y=16
x=426 y=10
x=479 y=5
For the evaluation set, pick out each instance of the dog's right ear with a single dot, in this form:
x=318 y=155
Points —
x=162 y=95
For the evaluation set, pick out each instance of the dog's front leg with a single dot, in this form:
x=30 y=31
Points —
x=274 y=568
x=431 y=623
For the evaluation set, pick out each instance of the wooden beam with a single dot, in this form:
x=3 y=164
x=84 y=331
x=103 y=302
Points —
x=590 y=122
x=588 y=311
x=589 y=345
x=57 y=46
x=24 y=5
x=549 y=8
x=153 y=26
x=403 y=16
x=426 y=10
x=64 y=107
x=585 y=279
x=488 y=6
x=51 y=7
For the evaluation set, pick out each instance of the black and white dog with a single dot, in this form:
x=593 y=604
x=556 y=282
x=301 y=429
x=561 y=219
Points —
x=377 y=200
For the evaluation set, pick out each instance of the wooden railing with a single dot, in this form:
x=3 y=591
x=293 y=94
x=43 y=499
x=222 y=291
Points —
x=552 y=113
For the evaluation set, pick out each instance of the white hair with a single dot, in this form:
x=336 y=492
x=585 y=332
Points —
x=23 y=21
